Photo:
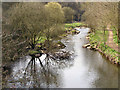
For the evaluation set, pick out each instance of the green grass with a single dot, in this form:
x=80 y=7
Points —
x=34 y=52
x=73 y=31
x=42 y=39
x=115 y=36
x=73 y=25
x=68 y=26
x=98 y=36
x=110 y=51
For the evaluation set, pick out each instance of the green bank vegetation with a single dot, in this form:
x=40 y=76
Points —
x=99 y=15
x=115 y=35
x=99 y=39
x=73 y=25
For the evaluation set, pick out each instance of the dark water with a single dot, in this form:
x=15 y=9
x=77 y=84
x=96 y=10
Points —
x=86 y=69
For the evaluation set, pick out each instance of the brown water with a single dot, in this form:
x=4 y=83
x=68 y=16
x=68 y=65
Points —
x=85 y=69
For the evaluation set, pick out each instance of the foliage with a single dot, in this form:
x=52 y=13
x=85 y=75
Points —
x=29 y=24
x=56 y=14
x=76 y=6
x=73 y=25
x=98 y=39
x=34 y=52
x=69 y=14
x=115 y=36
x=109 y=51
x=54 y=21
x=99 y=36
x=42 y=39
x=99 y=14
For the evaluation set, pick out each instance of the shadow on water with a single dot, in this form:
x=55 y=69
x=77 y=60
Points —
x=38 y=72
x=42 y=75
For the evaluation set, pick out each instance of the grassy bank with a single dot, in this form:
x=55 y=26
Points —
x=99 y=39
x=68 y=28
x=115 y=36
x=98 y=36
x=73 y=25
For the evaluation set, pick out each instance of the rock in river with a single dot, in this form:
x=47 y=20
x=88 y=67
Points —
x=86 y=45
x=74 y=31
x=61 y=55
x=59 y=44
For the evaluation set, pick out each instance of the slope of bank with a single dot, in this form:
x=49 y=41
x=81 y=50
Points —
x=99 y=41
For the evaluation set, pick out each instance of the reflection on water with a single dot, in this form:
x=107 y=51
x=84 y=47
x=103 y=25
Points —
x=87 y=69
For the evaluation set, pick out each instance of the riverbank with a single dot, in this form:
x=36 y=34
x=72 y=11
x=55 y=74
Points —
x=98 y=40
x=97 y=72
x=55 y=45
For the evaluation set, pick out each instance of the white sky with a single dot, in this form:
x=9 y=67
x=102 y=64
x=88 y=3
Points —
x=60 y=0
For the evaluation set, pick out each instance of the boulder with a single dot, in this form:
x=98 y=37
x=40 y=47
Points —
x=89 y=32
x=86 y=45
x=92 y=48
x=87 y=37
x=74 y=31
x=82 y=27
x=77 y=32
x=59 y=44
x=89 y=47
x=61 y=55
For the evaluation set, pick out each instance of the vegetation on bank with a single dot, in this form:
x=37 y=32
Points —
x=98 y=15
x=67 y=27
x=99 y=36
x=41 y=22
x=99 y=40
x=73 y=25
x=27 y=25
x=30 y=24
x=115 y=35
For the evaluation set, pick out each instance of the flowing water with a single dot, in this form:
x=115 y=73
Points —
x=85 y=69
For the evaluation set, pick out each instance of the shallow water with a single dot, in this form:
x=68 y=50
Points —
x=85 y=69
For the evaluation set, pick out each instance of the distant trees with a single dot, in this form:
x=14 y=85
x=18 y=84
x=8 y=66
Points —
x=76 y=6
x=119 y=20
x=56 y=15
x=99 y=14
x=69 y=14
x=55 y=18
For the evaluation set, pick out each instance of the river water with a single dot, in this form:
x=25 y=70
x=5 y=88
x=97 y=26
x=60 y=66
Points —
x=85 y=69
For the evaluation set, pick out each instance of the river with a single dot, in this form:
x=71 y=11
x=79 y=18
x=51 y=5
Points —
x=85 y=69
